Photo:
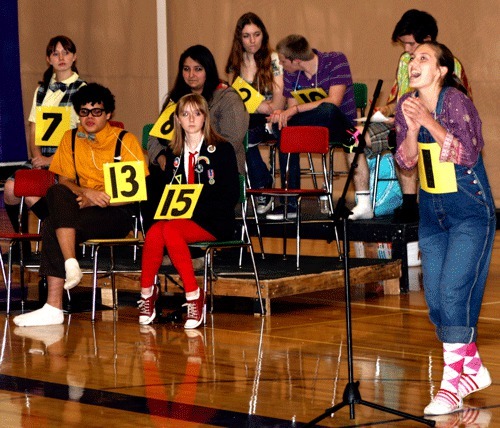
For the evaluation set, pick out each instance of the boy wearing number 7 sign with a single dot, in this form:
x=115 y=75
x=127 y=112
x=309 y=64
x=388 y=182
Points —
x=79 y=208
x=196 y=155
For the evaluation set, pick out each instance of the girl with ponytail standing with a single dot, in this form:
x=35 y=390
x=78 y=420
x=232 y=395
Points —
x=438 y=128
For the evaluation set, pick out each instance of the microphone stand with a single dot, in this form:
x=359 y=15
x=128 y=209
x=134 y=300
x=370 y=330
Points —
x=351 y=395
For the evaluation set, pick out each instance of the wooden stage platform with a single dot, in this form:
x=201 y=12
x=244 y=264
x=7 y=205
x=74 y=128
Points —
x=320 y=228
x=321 y=269
x=278 y=277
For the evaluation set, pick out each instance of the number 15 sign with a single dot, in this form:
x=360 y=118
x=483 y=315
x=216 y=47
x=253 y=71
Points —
x=178 y=201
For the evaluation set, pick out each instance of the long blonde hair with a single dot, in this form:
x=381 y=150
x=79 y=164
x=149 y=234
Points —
x=211 y=137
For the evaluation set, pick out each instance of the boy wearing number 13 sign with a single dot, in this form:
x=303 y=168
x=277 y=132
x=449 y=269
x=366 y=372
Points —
x=196 y=155
x=79 y=208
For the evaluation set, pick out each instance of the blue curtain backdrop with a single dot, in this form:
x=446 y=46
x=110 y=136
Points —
x=12 y=134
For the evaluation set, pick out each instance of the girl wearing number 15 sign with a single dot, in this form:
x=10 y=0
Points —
x=196 y=155
x=439 y=129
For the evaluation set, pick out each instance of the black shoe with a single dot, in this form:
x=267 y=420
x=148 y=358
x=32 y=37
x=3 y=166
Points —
x=406 y=215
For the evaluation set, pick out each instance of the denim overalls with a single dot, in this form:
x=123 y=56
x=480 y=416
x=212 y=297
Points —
x=456 y=234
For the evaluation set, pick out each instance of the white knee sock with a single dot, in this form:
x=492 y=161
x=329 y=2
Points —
x=363 y=209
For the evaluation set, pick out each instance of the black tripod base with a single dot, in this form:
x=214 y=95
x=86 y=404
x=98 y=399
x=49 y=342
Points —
x=352 y=396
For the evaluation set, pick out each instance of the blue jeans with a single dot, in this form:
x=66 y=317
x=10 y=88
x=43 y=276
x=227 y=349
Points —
x=327 y=115
x=456 y=234
x=258 y=172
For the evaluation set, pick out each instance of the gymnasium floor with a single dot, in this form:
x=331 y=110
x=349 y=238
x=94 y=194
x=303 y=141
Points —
x=240 y=370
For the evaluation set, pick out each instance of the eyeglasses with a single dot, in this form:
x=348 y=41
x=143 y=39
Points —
x=96 y=112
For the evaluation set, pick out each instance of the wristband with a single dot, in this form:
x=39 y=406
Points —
x=445 y=149
x=448 y=139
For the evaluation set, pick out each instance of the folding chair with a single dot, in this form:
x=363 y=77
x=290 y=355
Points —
x=301 y=139
x=146 y=129
x=361 y=97
x=211 y=246
x=28 y=182
x=244 y=204
x=117 y=124
x=112 y=269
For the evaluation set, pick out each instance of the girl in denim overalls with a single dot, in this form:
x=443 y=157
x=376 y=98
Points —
x=438 y=127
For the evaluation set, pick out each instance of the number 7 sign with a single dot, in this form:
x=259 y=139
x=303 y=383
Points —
x=51 y=124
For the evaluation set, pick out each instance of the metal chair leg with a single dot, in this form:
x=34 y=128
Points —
x=205 y=283
x=312 y=171
x=375 y=180
x=244 y=210
x=210 y=280
x=272 y=163
x=299 y=203
x=256 y=275
x=257 y=225
x=94 y=283
x=112 y=272
x=9 y=277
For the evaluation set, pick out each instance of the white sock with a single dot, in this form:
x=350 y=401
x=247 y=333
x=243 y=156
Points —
x=47 y=315
x=193 y=295
x=73 y=274
x=363 y=209
x=149 y=293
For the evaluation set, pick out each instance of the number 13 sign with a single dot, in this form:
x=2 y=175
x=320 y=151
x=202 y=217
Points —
x=125 y=181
